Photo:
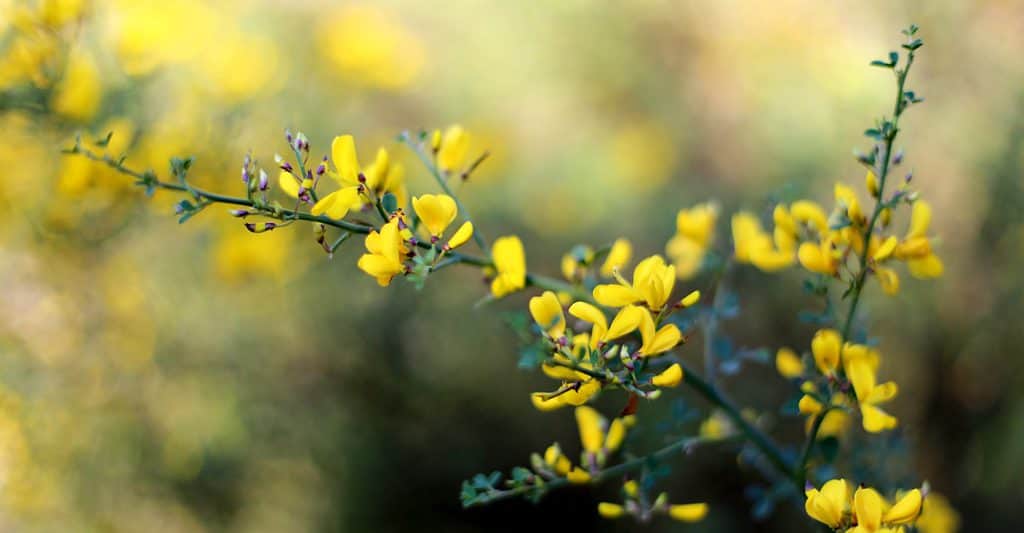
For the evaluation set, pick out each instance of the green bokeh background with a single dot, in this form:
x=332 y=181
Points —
x=166 y=378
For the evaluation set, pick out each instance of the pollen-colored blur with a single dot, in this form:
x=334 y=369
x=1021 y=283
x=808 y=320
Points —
x=201 y=377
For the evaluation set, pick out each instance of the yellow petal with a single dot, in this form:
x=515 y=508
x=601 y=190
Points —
x=610 y=511
x=905 y=510
x=578 y=476
x=452 y=152
x=590 y=313
x=691 y=512
x=288 y=184
x=886 y=249
x=888 y=279
x=788 y=363
x=547 y=312
x=868 y=504
x=825 y=347
x=590 y=422
x=542 y=404
x=690 y=299
x=618 y=257
x=862 y=377
x=817 y=258
x=343 y=152
x=616 y=434
x=625 y=322
x=928 y=267
x=436 y=212
x=811 y=214
x=615 y=295
x=808 y=405
x=876 y=420
x=670 y=377
x=920 y=219
x=462 y=235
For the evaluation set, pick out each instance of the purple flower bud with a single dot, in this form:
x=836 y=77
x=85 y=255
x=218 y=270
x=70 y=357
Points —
x=286 y=166
x=909 y=176
x=264 y=180
x=178 y=209
x=288 y=136
x=245 y=175
x=321 y=169
x=239 y=213
x=362 y=178
x=434 y=239
x=250 y=226
x=898 y=158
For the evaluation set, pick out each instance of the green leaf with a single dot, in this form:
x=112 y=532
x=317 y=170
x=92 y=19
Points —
x=389 y=202
x=914 y=45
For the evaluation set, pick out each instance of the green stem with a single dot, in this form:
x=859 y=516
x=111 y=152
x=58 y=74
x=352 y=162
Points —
x=863 y=268
x=754 y=434
x=620 y=469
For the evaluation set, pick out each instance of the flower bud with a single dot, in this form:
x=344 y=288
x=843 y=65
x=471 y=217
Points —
x=239 y=213
x=264 y=182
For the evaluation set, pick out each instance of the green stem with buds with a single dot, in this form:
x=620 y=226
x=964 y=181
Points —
x=882 y=161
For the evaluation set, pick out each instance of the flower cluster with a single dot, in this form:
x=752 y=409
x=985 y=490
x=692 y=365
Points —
x=587 y=361
x=840 y=507
x=842 y=375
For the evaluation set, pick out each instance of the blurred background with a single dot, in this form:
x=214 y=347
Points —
x=157 y=377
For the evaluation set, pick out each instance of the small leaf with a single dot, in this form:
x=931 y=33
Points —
x=389 y=202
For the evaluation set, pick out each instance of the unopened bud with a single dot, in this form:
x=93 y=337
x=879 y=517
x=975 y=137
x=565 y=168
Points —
x=286 y=166
x=257 y=228
x=897 y=158
x=264 y=183
x=245 y=175
x=239 y=213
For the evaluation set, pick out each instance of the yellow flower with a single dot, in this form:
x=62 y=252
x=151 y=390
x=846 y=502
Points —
x=690 y=512
x=338 y=203
x=462 y=236
x=509 y=264
x=861 y=373
x=752 y=245
x=788 y=363
x=575 y=393
x=547 y=312
x=838 y=508
x=436 y=212
x=386 y=253
x=916 y=247
x=830 y=504
x=557 y=460
x=384 y=177
x=826 y=348
x=451 y=154
x=694 y=233
x=618 y=257
x=610 y=511
x=660 y=341
x=670 y=377
x=847 y=200
x=819 y=257
x=653 y=282
x=871 y=183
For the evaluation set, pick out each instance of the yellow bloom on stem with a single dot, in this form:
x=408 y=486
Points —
x=346 y=172
x=690 y=299
x=871 y=183
x=869 y=394
x=826 y=348
x=830 y=504
x=386 y=253
x=384 y=177
x=670 y=377
x=657 y=341
x=916 y=247
x=462 y=236
x=689 y=512
x=576 y=392
x=846 y=198
x=752 y=245
x=547 y=312
x=451 y=154
x=618 y=257
x=436 y=212
x=510 y=266
x=652 y=284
